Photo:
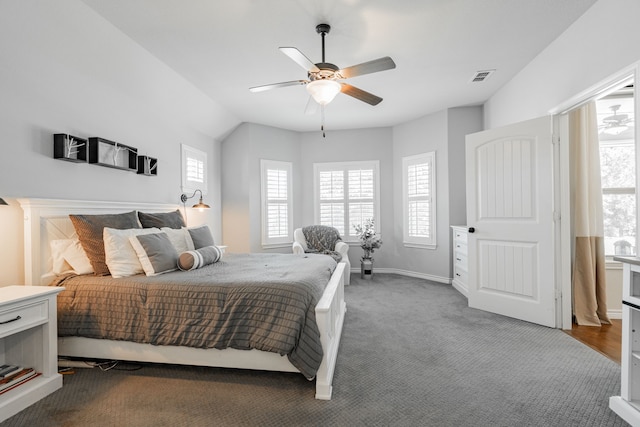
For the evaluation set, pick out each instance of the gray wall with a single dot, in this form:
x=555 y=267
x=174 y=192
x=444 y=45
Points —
x=462 y=121
x=241 y=191
x=599 y=44
x=442 y=132
x=353 y=145
x=66 y=70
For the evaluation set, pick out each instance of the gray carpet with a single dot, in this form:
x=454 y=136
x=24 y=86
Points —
x=412 y=354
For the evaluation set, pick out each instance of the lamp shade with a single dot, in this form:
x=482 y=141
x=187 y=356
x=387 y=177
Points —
x=200 y=205
x=2 y=202
x=323 y=91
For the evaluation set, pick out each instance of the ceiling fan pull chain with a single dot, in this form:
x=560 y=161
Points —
x=322 y=121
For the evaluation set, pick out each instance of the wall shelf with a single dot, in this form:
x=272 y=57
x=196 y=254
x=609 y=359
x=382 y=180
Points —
x=112 y=154
x=70 y=148
x=147 y=166
x=102 y=152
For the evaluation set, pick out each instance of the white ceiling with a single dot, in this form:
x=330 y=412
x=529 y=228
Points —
x=225 y=47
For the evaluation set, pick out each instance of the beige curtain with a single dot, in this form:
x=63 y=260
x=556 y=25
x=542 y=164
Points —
x=589 y=283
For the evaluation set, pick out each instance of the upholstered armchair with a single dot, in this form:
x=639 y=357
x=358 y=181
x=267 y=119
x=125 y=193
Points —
x=301 y=246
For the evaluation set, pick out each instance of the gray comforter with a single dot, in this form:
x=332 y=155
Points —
x=246 y=301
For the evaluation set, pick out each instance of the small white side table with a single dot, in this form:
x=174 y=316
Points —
x=29 y=338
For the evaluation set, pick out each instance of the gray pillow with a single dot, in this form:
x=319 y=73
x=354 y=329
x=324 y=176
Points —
x=89 y=230
x=162 y=219
x=201 y=236
x=155 y=253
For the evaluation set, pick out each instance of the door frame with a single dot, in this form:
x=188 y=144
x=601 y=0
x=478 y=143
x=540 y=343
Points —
x=562 y=185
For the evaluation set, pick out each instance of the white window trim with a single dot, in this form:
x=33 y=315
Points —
x=419 y=242
x=346 y=166
x=188 y=185
x=266 y=165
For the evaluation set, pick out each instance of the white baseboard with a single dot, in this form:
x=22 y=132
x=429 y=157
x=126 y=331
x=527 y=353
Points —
x=614 y=314
x=460 y=289
x=408 y=274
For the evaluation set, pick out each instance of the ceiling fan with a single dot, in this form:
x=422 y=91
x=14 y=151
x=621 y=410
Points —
x=324 y=79
x=616 y=123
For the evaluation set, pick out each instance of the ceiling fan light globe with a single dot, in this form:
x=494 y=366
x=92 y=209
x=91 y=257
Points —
x=323 y=91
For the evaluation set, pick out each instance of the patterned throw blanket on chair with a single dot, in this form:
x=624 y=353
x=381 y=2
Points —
x=322 y=239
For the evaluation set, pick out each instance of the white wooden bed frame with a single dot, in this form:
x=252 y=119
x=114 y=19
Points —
x=47 y=219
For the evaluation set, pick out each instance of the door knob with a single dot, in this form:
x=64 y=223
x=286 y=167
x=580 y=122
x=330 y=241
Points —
x=472 y=230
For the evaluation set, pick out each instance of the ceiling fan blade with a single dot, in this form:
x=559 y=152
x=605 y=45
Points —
x=360 y=94
x=311 y=108
x=299 y=58
x=277 y=85
x=369 y=67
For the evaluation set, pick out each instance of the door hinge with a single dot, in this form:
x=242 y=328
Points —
x=556 y=216
x=555 y=139
x=558 y=294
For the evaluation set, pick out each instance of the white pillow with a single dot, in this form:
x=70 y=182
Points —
x=69 y=256
x=179 y=238
x=120 y=256
x=60 y=266
x=77 y=258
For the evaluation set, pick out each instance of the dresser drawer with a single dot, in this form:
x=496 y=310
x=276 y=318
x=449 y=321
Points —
x=460 y=247
x=19 y=317
x=460 y=236
x=460 y=259
x=460 y=275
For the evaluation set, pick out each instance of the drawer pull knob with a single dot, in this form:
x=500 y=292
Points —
x=11 y=320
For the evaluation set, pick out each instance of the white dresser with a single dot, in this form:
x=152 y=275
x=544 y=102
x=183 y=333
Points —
x=459 y=258
x=627 y=405
x=29 y=338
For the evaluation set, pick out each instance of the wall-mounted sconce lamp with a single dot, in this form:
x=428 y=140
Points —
x=200 y=205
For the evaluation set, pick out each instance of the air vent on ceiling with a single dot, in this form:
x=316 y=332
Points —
x=481 y=76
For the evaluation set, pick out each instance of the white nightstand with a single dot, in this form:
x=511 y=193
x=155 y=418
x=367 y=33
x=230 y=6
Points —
x=29 y=338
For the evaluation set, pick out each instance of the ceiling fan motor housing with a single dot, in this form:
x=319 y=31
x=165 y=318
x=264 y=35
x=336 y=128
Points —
x=327 y=71
x=323 y=28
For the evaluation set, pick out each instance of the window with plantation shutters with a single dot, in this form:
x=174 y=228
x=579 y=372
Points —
x=194 y=169
x=277 y=225
x=419 y=200
x=346 y=194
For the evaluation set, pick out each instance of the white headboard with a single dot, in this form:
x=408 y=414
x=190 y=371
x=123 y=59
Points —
x=48 y=219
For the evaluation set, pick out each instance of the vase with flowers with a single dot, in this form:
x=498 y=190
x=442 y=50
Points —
x=369 y=240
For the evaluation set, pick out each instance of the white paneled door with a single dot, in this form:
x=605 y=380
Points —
x=510 y=220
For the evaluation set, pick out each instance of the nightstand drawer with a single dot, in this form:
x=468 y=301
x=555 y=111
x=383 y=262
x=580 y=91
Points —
x=20 y=317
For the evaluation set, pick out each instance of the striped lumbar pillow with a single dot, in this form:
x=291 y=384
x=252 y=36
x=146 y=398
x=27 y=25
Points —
x=190 y=260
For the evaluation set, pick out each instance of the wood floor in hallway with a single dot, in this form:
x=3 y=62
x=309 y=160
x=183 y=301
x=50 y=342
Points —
x=606 y=339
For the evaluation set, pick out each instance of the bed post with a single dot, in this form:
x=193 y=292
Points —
x=31 y=235
x=330 y=312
